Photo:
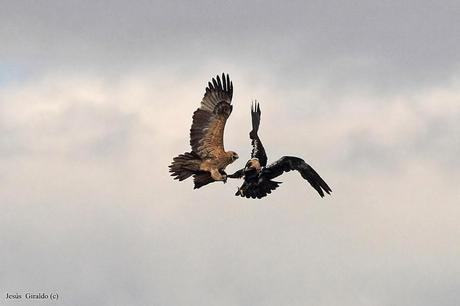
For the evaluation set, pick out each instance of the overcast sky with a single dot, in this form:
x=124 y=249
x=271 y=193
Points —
x=96 y=98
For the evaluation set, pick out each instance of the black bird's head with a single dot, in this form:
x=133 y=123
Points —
x=252 y=164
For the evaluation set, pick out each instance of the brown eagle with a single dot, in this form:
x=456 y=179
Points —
x=258 y=176
x=208 y=158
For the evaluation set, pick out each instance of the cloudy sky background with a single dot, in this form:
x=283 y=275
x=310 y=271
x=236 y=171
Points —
x=96 y=97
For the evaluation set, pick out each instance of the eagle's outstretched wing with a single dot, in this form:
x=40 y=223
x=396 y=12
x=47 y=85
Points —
x=288 y=163
x=258 y=150
x=207 y=132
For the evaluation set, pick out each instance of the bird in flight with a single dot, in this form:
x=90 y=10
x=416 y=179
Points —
x=208 y=159
x=258 y=177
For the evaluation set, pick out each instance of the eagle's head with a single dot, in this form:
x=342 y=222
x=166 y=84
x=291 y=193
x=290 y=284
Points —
x=232 y=155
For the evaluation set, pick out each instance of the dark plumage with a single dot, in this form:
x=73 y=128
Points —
x=258 y=177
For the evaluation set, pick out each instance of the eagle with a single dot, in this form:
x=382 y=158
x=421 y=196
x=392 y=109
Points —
x=258 y=177
x=208 y=159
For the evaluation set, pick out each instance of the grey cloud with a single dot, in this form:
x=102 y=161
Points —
x=77 y=131
x=111 y=130
x=433 y=141
x=172 y=252
x=437 y=141
x=363 y=154
x=386 y=45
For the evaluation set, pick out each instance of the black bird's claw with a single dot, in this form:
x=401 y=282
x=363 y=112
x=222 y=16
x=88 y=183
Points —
x=238 y=191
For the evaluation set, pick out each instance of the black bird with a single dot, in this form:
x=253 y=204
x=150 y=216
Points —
x=258 y=177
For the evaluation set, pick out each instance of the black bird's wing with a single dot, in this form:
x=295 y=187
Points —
x=288 y=163
x=258 y=150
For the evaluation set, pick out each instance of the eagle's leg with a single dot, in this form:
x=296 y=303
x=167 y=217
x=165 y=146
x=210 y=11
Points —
x=216 y=175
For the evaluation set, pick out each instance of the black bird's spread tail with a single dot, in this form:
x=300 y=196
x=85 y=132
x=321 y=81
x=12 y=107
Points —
x=185 y=165
x=257 y=190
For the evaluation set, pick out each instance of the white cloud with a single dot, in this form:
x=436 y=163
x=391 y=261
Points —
x=117 y=225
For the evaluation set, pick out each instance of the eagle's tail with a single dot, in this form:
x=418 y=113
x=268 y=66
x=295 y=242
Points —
x=185 y=165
